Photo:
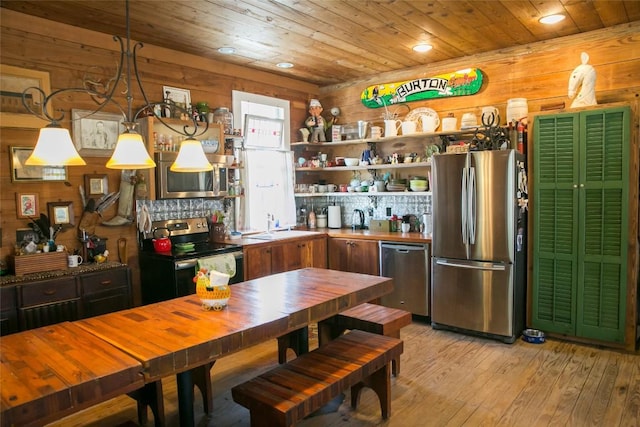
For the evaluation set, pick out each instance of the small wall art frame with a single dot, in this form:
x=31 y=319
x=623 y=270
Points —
x=96 y=134
x=181 y=97
x=61 y=213
x=13 y=81
x=23 y=173
x=96 y=185
x=27 y=205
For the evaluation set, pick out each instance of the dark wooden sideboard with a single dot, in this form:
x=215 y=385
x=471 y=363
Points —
x=44 y=299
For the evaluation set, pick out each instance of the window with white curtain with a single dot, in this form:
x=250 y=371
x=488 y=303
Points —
x=268 y=174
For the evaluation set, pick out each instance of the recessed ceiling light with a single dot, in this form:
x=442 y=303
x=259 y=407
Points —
x=284 y=65
x=422 y=47
x=551 y=19
x=227 y=50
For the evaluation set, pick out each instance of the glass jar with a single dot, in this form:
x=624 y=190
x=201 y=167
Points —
x=223 y=116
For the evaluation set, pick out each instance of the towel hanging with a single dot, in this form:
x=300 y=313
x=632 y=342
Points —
x=224 y=263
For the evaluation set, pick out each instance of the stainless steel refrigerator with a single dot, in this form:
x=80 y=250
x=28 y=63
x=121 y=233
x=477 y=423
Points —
x=479 y=243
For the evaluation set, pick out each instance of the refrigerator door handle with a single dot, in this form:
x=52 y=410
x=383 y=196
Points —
x=471 y=216
x=463 y=206
x=472 y=266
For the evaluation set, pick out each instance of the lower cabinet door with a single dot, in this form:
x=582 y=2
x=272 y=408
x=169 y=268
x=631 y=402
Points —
x=49 y=314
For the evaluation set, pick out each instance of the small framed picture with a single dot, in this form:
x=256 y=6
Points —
x=61 y=213
x=96 y=134
x=181 y=97
x=27 y=205
x=13 y=81
x=20 y=172
x=96 y=185
x=26 y=235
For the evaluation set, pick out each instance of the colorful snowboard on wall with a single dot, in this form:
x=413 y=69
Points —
x=458 y=83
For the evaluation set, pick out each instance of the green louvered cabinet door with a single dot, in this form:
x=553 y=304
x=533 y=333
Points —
x=580 y=213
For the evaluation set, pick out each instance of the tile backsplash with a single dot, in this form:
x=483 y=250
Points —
x=374 y=207
x=186 y=208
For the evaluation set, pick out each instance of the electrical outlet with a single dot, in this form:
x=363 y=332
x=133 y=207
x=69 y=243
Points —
x=370 y=211
x=388 y=211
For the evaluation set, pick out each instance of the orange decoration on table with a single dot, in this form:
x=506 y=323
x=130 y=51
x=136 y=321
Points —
x=214 y=296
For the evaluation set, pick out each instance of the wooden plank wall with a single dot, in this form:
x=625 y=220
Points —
x=539 y=72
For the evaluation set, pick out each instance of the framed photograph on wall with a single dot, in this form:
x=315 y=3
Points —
x=61 y=213
x=23 y=173
x=96 y=185
x=181 y=97
x=96 y=135
x=13 y=81
x=27 y=205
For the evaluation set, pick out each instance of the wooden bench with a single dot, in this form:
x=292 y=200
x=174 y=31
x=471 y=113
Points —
x=367 y=317
x=288 y=393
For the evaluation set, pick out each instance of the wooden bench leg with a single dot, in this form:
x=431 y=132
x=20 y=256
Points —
x=395 y=363
x=328 y=331
x=150 y=396
x=297 y=340
x=202 y=380
x=380 y=383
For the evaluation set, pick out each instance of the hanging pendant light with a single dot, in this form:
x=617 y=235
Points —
x=130 y=152
x=55 y=147
x=191 y=158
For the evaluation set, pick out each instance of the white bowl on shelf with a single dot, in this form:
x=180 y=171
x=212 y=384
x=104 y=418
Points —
x=210 y=145
x=351 y=161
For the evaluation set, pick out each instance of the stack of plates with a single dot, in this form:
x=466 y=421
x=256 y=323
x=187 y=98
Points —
x=185 y=247
x=396 y=187
x=418 y=184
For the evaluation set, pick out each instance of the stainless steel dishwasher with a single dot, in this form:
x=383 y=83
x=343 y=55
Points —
x=408 y=264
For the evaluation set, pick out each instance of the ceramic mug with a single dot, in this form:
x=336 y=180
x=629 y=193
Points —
x=391 y=127
x=322 y=188
x=74 y=260
x=408 y=127
x=376 y=132
x=405 y=227
x=331 y=188
x=343 y=188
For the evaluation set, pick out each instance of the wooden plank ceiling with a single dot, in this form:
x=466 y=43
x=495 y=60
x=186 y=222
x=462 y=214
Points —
x=333 y=41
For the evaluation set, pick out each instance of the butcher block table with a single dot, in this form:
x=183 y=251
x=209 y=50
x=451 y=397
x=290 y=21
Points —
x=175 y=336
x=50 y=372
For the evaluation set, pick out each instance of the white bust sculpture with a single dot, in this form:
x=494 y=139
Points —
x=583 y=76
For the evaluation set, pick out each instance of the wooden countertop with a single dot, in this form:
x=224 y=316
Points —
x=347 y=233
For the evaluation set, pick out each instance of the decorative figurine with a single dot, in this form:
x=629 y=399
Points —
x=315 y=122
x=584 y=75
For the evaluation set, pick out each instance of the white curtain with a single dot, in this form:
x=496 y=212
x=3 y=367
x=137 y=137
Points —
x=268 y=185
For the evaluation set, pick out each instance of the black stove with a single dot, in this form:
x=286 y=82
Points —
x=182 y=231
x=167 y=275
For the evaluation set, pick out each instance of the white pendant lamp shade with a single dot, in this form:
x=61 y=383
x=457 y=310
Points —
x=54 y=148
x=191 y=158
x=130 y=153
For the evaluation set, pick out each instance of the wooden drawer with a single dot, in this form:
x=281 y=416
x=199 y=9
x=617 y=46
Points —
x=53 y=290
x=104 y=281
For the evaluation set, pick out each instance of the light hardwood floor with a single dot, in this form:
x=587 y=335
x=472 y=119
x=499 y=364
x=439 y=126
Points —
x=447 y=379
